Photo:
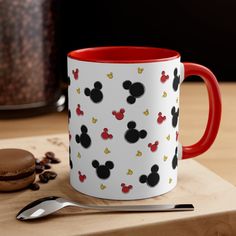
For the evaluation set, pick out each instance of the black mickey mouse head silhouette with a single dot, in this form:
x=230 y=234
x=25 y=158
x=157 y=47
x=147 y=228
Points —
x=152 y=179
x=136 y=90
x=95 y=94
x=175 y=115
x=175 y=159
x=84 y=138
x=71 y=163
x=69 y=115
x=132 y=135
x=103 y=171
x=176 y=80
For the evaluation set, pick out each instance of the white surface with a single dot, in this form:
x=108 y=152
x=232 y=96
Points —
x=123 y=154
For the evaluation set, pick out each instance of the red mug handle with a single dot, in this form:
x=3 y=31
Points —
x=214 y=114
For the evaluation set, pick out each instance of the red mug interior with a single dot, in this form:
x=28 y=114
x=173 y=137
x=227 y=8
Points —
x=124 y=54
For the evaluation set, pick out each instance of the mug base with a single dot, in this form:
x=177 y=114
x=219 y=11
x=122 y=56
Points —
x=123 y=197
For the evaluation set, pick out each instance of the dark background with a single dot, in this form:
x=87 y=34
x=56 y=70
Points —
x=202 y=31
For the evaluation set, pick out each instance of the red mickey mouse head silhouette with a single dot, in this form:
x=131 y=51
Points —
x=160 y=118
x=81 y=177
x=153 y=147
x=164 y=77
x=79 y=111
x=76 y=73
x=119 y=115
x=126 y=188
x=105 y=135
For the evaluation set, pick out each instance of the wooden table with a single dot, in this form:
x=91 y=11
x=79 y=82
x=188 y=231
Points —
x=221 y=158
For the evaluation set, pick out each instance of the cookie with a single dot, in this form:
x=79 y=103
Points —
x=17 y=169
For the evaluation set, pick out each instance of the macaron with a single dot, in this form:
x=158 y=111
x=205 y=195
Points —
x=17 y=169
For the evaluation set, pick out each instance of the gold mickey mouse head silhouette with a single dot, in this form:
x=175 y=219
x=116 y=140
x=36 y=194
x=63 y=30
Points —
x=164 y=95
x=78 y=90
x=102 y=186
x=139 y=154
x=168 y=137
x=146 y=112
x=140 y=70
x=110 y=75
x=94 y=120
x=129 y=172
x=107 y=151
x=165 y=158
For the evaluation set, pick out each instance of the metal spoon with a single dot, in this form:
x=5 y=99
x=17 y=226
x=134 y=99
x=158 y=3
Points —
x=48 y=205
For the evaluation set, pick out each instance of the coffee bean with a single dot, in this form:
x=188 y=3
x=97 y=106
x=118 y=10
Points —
x=50 y=174
x=55 y=161
x=39 y=168
x=50 y=155
x=41 y=165
x=52 y=158
x=46 y=160
x=43 y=178
x=47 y=166
x=34 y=186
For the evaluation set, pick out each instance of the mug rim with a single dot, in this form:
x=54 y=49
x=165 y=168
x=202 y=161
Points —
x=124 y=54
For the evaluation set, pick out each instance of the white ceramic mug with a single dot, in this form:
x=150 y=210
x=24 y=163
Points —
x=123 y=120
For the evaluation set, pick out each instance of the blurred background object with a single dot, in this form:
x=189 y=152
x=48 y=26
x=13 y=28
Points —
x=202 y=31
x=29 y=73
x=36 y=35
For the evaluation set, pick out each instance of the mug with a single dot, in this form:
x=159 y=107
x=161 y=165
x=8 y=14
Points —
x=123 y=120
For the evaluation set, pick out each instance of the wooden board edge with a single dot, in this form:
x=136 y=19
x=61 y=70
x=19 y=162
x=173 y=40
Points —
x=212 y=224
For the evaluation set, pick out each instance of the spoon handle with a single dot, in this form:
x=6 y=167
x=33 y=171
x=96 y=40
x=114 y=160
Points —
x=142 y=208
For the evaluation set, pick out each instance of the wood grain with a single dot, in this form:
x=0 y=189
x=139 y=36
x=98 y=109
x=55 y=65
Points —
x=213 y=197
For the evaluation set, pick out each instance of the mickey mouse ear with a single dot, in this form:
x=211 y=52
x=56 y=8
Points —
x=173 y=111
x=97 y=85
x=175 y=71
x=143 y=179
x=131 y=125
x=154 y=168
x=77 y=138
x=127 y=84
x=87 y=92
x=84 y=129
x=109 y=164
x=131 y=99
x=142 y=133
x=95 y=164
